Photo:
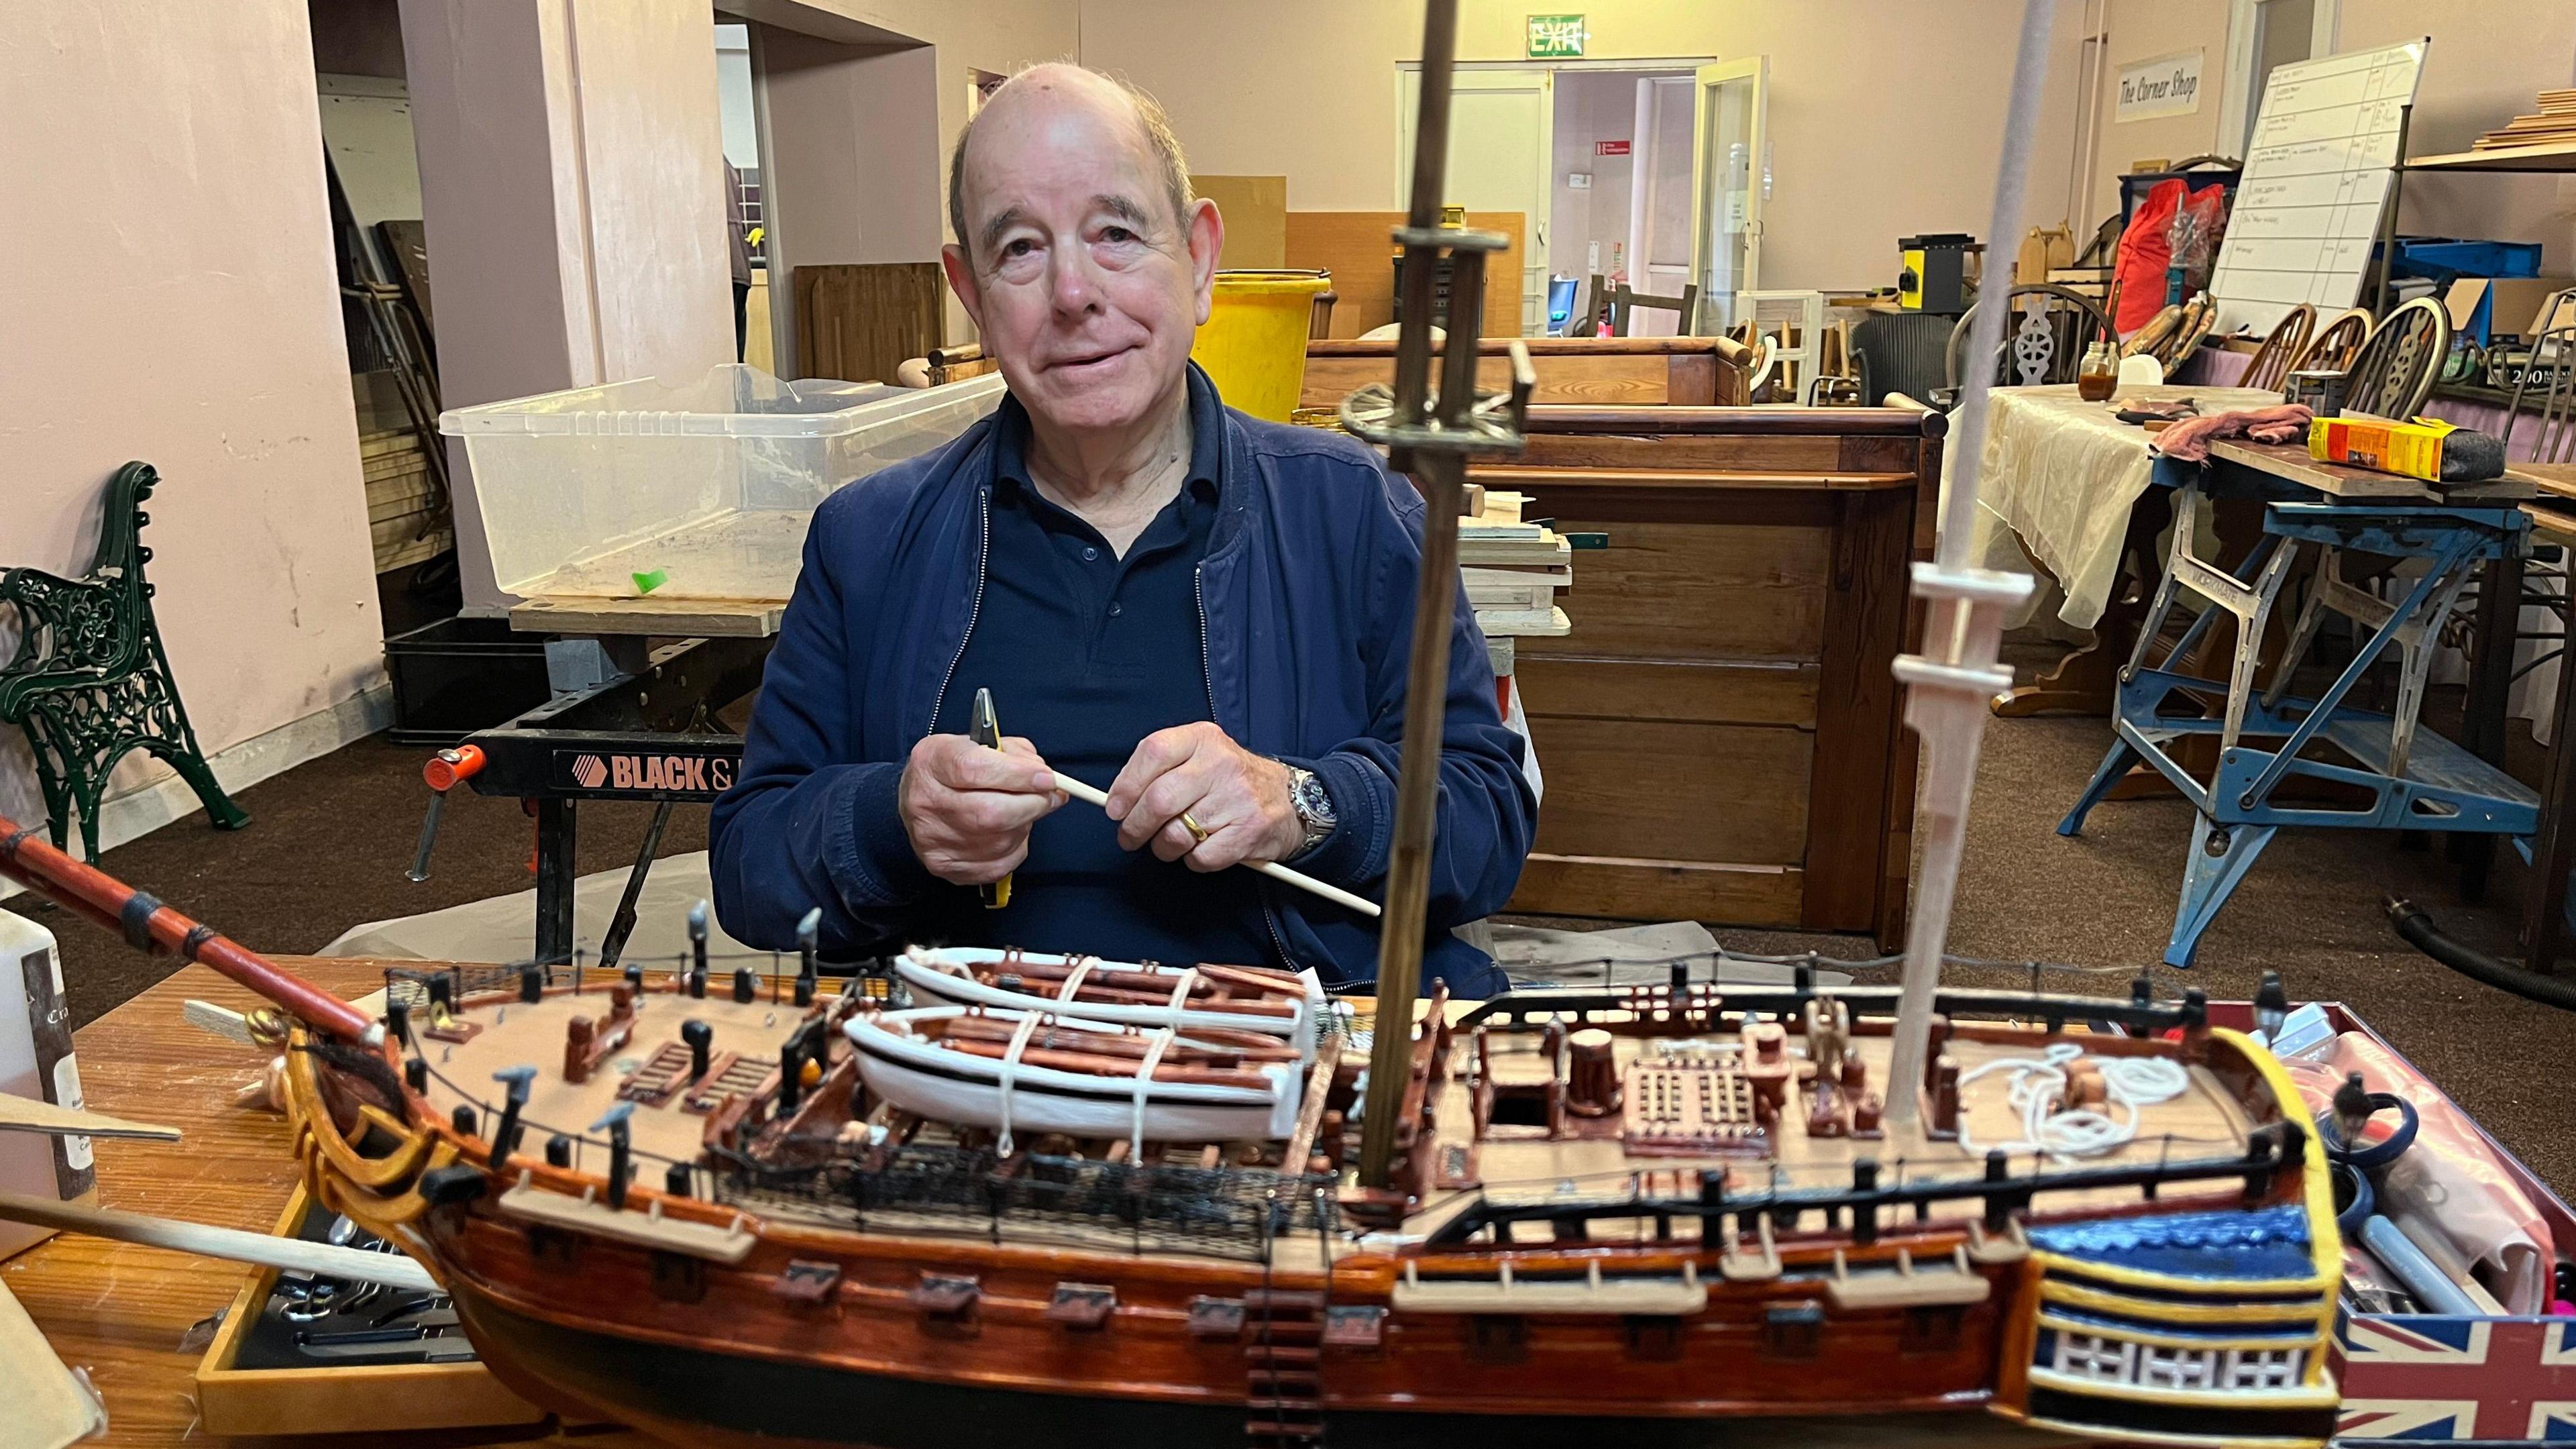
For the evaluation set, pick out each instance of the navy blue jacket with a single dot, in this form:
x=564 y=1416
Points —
x=1307 y=601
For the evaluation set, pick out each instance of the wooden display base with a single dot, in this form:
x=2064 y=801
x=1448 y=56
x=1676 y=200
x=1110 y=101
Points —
x=357 y=1399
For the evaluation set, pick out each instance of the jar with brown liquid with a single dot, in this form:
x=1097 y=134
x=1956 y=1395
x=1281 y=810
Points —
x=2099 y=375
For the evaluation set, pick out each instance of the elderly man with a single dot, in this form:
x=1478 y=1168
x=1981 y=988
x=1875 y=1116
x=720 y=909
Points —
x=1206 y=613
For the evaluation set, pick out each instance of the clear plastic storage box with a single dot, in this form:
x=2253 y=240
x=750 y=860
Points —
x=708 y=482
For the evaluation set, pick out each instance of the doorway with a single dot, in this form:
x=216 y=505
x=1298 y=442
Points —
x=1610 y=161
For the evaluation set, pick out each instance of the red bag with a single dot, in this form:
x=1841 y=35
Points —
x=2145 y=251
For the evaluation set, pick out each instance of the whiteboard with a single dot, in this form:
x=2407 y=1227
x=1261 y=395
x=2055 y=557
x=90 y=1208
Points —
x=2317 y=172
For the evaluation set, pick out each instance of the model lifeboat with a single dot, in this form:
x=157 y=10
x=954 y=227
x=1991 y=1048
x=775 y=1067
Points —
x=1016 y=1072
x=1209 y=1001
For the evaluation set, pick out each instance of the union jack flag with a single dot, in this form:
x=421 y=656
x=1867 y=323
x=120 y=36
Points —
x=2489 y=1379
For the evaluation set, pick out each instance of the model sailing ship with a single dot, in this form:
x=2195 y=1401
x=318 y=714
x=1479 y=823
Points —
x=1020 y=1199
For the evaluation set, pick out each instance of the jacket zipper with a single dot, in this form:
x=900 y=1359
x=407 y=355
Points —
x=1207 y=677
x=974 y=611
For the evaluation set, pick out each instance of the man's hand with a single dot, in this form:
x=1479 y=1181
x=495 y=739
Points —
x=1239 y=798
x=968 y=808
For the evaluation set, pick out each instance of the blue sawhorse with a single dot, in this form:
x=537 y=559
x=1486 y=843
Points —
x=2413 y=782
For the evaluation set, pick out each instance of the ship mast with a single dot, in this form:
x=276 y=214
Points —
x=1428 y=435
x=1949 y=684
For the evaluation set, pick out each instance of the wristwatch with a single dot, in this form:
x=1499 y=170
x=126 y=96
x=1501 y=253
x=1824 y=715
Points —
x=1314 y=806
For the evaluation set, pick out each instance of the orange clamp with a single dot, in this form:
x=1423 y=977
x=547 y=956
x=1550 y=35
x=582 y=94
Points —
x=447 y=767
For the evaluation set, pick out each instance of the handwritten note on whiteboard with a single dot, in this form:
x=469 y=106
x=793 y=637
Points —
x=2316 y=174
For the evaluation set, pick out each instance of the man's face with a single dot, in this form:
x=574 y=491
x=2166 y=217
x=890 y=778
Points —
x=1085 y=286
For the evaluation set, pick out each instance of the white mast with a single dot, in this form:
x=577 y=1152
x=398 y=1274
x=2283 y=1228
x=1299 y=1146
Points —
x=1950 y=684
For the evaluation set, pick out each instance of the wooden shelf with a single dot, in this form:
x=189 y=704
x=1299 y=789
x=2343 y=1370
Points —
x=2557 y=157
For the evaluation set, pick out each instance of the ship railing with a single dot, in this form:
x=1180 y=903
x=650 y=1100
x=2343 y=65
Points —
x=1231 y=1212
x=1683 y=1000
x=415 y=987
x=1867 y=1203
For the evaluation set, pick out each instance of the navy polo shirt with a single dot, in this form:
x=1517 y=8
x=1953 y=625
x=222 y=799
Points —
x=1086 y=653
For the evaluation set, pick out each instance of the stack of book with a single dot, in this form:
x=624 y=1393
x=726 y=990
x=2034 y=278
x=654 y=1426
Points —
x=2554 y=126
x=1513 y=570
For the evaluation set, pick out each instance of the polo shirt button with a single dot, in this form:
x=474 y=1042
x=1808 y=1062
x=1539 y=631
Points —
x=1089 y=553
x=1116 y=609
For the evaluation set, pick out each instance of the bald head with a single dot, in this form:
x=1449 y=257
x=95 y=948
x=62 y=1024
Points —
x=1059 y=87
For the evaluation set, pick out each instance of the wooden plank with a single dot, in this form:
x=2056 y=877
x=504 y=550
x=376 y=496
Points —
x=2291 y=461
x=858 y=323
x=1625 y=888
x=1857 y=724
x=1751 y=692
x=1673 y=790
x=1529 y=478
x=675 y=618
x=1617 y=378
x=1707 y=591
x=1357 y=247
x=1653 y=449
x=2547 y=480
x=26 y=1114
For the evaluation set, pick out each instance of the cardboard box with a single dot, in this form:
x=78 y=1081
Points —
x=2489 y=307
x=1255 y=209
x=2410 y=450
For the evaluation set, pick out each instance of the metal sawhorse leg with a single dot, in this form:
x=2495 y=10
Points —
x=2425 y=783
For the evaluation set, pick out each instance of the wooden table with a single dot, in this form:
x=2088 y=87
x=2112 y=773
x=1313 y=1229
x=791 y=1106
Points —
x=2065 y=476
x=118 y=1310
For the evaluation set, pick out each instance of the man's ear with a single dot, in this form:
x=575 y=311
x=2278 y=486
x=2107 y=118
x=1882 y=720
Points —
x=961 y=280
x=1207 y=238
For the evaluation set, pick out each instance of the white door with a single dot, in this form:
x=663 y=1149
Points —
x=1729 y=166
x=1501 y=126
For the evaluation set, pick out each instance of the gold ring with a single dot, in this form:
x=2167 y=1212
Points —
x=1197 y=831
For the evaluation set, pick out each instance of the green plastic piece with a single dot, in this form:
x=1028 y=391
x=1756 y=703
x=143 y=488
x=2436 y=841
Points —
x=1587 y=540
x=646 y=583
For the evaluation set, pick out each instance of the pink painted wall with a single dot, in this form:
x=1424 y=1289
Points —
x=572 y=180
x=170 y=296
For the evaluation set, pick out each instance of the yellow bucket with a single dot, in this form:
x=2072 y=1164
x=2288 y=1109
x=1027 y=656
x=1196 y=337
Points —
x=1254 y=343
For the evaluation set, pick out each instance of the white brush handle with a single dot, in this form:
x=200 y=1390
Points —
x=1270 y=868
x=391 y=1269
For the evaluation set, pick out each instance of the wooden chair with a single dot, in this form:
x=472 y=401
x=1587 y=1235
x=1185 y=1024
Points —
x=2332 y=349
x=1685 y=307
x=1594 y=304
x=2046 y=331
x=90 y=681
x=2288 y=338
x=2551 y=373
x=2393 y=372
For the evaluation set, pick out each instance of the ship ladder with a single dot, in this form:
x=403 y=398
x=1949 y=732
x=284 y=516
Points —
x=1283 y=1368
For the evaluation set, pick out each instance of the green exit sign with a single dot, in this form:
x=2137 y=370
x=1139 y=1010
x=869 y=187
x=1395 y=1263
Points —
x=1555 y=37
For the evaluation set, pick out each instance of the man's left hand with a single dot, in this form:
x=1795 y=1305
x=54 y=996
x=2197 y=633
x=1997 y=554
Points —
x=1238 y=798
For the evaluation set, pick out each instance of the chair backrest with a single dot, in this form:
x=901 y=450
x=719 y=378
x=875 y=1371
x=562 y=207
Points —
x=2288 y=338
x=1899 y=352
x=2393 y=372
x=1624 y=301
x=2551 y=373
x=2332 y=349
x=2046 y=330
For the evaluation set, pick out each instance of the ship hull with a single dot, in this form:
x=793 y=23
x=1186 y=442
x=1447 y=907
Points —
x=704 y=1396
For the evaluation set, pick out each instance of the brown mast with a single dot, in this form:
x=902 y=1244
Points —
x=151 y=926
x=1428 y=436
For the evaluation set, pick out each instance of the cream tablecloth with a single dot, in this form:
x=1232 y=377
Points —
x=2060 y=474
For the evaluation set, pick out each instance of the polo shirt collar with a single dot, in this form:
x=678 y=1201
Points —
x=1206 y=479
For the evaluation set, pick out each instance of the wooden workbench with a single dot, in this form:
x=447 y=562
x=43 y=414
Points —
x=120 y=1311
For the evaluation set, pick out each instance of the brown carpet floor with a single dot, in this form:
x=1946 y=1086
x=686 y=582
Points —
x=330 y=841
